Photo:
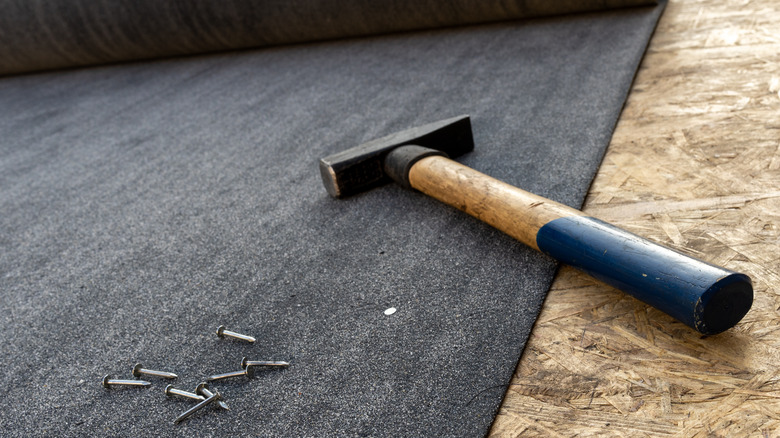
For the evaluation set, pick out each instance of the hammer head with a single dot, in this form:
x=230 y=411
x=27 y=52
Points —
x=361 y=168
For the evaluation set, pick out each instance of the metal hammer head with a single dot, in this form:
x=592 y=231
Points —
x=361 y=168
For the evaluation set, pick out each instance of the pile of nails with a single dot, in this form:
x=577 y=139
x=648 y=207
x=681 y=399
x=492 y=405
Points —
x=203 y=393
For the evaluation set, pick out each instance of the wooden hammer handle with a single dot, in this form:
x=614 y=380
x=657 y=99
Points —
x=708 y=298
x=516 y=212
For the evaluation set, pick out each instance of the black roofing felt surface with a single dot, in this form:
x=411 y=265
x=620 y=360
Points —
x=143 y=205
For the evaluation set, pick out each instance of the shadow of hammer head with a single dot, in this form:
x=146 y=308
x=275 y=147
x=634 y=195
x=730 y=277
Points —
x=372 y=164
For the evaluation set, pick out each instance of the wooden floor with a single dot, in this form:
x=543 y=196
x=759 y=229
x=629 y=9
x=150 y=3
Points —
x=694 y=164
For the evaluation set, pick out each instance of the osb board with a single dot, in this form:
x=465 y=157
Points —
x=694 y=164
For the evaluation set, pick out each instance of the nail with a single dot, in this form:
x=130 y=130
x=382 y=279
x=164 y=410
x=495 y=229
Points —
x=108 y=381
x=248 y=372
x=138 y=370
x=205 y=389
x=263 y=363
x=197 y=407
x=221 y=332
x=170 y=390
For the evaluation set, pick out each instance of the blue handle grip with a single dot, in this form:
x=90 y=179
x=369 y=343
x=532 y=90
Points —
x=706 y=297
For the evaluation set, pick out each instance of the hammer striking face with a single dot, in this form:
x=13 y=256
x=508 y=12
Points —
x=708 y=298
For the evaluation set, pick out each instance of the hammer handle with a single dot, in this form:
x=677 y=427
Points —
x=708 y=298
x=516 y=212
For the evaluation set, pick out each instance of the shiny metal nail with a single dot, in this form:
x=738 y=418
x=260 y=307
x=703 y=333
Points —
x=138 y=371
x=205 y=389
x=248 y=372
x=263 y=363
x=221 y=332
x=197 y=407
x=108 y=382
x=170 y=390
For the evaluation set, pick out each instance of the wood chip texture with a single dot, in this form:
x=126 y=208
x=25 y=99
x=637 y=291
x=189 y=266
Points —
x=694 y=164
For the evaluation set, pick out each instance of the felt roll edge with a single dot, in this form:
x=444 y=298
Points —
x=73 y=33
x=705 y=297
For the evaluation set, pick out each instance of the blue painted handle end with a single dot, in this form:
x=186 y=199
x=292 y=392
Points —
x=708 y=298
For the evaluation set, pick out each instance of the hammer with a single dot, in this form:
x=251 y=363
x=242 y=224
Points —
x=709 y=298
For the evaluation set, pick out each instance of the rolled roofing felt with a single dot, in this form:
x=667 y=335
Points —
x=42 y=35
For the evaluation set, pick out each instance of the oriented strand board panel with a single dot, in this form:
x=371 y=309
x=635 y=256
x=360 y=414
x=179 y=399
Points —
x=695 y=164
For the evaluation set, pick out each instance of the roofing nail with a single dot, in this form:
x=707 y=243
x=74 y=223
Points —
x=263 y=363
x=138 y=370
x=170 y=390
x=248 y=372
x=108 y=382
x=221 y=332
x=205 y=389
x=197 y=407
